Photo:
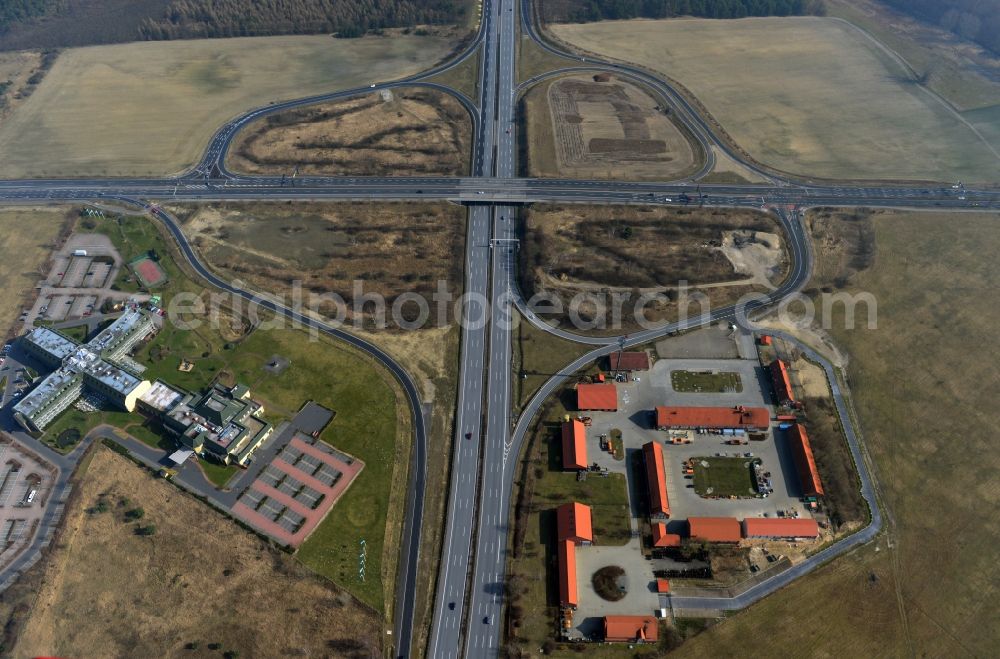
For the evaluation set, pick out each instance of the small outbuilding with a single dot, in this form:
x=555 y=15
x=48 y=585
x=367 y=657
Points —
x=631 y=629
x=597 y=397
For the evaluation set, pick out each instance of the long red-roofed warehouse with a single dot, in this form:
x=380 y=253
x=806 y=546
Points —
x=567 y=574
x=782 y=384
x=631 y=629
x=783 y=527
x=715 y=418
x=715 y=529
x=805 y=463
x=574 y=445
x=574 y=522
x=597 y=397
x=656 y=480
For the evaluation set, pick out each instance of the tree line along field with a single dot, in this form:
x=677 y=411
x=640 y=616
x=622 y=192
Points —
x=577 y=11
x=923 y=384
x=401 y=132
x=968 y=77
x=810 y=96
x=70 y=23
x=97 y=112
x=567 y=250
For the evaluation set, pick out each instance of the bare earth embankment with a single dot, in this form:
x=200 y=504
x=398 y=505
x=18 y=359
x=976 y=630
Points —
x=811 y=96
x=150 y=108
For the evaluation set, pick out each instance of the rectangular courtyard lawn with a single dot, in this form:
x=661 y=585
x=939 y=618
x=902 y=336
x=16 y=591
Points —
x=706 y=381
x=723 y=477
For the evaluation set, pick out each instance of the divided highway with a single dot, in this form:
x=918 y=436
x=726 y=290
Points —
x=469 y=601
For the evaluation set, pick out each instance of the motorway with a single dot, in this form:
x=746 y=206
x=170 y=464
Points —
x=468 y=607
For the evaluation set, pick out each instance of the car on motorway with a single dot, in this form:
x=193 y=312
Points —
x=468 y=435
x=487 y=620
x=451 y=606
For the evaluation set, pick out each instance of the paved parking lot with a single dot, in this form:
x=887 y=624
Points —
x=25 y=482
x=640 y=597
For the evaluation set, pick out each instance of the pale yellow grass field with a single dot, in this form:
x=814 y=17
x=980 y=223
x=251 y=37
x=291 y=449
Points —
x=28 y=237
x=925 y=385
x=150 y=108
x=811 y=96
x=198 y=579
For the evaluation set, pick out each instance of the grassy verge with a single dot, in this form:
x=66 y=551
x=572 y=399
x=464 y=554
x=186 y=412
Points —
x=533 y=60
x=537 y=356
x=464 y=77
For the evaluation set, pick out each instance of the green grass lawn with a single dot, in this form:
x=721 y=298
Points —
x=723 y=477
x=218 y=474
x=84 y=422
x=706 y=382
x=538 y=356
x=78 y=333
x=365 y=426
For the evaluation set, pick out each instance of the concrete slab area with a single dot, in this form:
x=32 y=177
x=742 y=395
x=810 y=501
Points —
x=715 y=342
x=640 y=597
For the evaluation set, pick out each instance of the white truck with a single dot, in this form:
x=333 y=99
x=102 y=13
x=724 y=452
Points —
x=79 y=252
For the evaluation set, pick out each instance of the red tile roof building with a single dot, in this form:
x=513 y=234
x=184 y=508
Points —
x=747 y=418
x=663 y=539
x=599 y=397
x=567 y=574
x=629 y=361
x=574 y=445
x=662 y=585
x=573 y=522
x=782 y=385
x=656 y=480
x=715 y=529
x=781 y=527
x=805 y=463
x=631 y=629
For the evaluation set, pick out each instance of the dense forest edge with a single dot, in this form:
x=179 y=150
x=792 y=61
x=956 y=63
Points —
x=68 y=23
x=583 y=11
x=974 y=20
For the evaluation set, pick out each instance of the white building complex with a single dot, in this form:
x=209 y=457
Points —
x=99 y=366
